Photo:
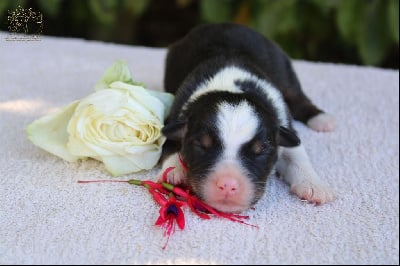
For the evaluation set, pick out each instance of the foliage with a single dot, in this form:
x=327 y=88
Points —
x=307 y=28
x=350 y=31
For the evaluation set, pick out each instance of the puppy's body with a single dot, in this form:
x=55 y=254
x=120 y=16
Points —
x=236 y=94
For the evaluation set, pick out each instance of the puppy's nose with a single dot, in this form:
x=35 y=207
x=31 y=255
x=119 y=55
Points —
x=227 y=184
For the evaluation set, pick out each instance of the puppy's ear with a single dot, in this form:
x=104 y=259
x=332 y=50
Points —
x=174 y=130
x=288 y=137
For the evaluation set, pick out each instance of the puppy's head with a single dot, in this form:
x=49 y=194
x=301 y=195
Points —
x=230 y=144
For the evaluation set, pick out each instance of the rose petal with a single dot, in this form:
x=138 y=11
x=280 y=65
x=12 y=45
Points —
x=166 y=98
x=131 y=163
x=142 y=98
x=50 y=132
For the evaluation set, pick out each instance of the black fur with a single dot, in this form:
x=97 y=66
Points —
x=200 y=159
x=198 y=57
x=208 y=48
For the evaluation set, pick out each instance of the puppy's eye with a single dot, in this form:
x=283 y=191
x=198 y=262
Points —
x=205 y=141
x=258 y=147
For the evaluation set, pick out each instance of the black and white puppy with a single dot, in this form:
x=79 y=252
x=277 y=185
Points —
x=231 y=121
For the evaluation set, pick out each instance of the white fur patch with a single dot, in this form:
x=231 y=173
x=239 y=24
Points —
x=224 y=80
x=295 y=168
x=237 y=124
x=322 y=122
x=178 y=175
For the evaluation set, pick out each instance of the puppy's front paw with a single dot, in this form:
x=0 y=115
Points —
x=312 y=192
x=322 y=122
x=177 y=175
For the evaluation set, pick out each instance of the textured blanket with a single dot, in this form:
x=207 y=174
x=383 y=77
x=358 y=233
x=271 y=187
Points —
x=46 y=217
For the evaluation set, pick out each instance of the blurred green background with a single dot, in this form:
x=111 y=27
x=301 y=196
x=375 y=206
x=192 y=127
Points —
x=362 y=32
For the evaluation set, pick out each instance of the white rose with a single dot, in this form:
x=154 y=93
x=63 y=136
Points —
x=119 y=124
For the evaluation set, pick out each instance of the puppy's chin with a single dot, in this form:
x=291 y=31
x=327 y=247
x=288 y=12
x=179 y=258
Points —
x=228 y=206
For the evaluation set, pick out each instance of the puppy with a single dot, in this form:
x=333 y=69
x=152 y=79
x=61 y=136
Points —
x=236 y=94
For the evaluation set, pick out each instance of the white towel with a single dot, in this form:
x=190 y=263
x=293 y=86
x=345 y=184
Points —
x=47 y=218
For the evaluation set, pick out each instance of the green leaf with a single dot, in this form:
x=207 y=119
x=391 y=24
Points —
x=266 y=16
x=289 y=15
x=325 y=6
x=119 y=71
x=136 y=7
x=374 y=39
x=103 y=10
x=216 y=11
x=349 y=18
x=79 y=11
x=9 y=5
x=393 y=16
x=3 y=8
x=50 y=7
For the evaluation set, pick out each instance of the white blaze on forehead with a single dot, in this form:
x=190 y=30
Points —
x=237 y=124
x=225 y=79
